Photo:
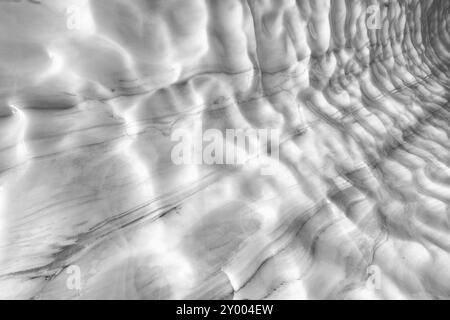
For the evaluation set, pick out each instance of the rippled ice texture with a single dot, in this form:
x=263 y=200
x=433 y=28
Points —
x=92 y=205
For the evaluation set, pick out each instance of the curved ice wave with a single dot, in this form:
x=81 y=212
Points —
x=91 y=91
